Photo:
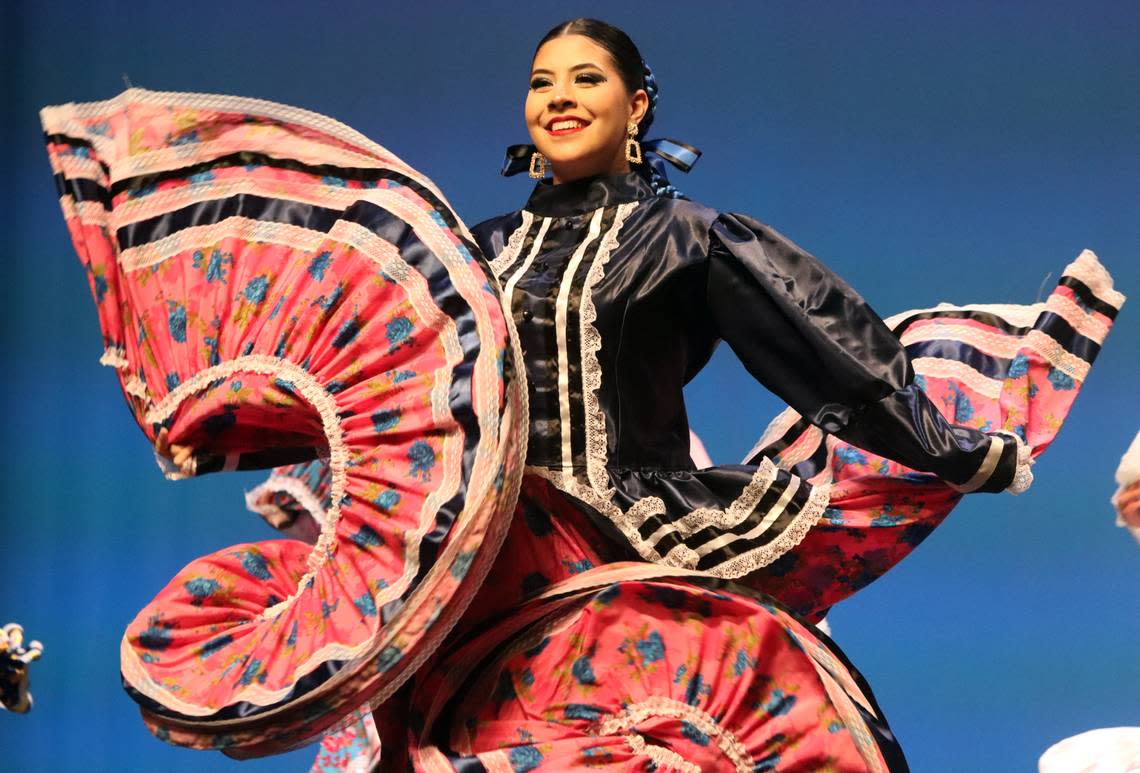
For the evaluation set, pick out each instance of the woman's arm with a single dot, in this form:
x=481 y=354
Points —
x=806 y=335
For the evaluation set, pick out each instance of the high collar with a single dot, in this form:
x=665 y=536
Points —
x=587 y=194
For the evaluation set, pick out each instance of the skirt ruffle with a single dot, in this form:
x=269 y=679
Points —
x=532 y=707
x=246 y=260
x=1007 y=368
x=616 y=669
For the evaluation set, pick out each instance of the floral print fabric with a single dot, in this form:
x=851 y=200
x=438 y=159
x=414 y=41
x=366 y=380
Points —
x=261 y=336
x=272 y=286
x=1016 y=369
x=655 y=674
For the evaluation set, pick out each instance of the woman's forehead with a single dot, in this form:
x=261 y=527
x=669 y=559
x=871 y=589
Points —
x=570 y=51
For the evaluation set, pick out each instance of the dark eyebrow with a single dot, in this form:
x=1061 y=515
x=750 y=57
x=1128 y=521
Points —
x=583 y=66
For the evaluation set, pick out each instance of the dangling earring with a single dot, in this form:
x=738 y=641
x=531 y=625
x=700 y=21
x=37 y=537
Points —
x=537 y=165
x=632 y=146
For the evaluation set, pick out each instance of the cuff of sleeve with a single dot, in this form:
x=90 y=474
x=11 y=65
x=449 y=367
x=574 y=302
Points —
x=1023 y=475
x=1005 y=466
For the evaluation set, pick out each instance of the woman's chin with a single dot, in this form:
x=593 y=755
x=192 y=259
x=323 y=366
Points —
x=572 y=169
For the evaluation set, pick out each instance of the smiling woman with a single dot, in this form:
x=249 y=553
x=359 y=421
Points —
x=581 y=107
x=642 y=613
x=661 y=615
x=619 y=289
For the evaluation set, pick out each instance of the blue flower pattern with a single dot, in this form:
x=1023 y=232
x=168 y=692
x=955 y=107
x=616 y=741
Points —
x=256 y=289
x=1060 y=380
x=398 y=331
x=422 y=458
x=651 y=649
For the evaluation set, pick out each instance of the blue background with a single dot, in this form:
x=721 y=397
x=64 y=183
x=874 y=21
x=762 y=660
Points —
x=927 y=151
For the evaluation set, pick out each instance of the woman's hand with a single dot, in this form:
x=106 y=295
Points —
x=181 y=457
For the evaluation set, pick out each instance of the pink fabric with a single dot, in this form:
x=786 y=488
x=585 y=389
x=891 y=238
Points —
x=261 y=302
x=632 y=673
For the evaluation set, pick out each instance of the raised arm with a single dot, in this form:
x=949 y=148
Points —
x=805 y=334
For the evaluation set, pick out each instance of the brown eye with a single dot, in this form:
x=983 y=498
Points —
x=590 y=77
x=539 y=83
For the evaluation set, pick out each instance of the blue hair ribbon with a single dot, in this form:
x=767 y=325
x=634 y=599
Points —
x=655 y=152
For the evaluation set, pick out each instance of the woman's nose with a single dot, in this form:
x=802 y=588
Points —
x=560 y=97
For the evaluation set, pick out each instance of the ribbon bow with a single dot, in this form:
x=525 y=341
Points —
x=655 y=152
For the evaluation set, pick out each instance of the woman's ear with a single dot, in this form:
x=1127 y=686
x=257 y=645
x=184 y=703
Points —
x=639 y=105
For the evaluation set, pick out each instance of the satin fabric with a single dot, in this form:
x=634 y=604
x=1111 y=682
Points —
x=684 y=277
x=658 y=325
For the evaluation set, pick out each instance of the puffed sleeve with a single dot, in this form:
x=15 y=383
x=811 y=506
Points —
x=805 y=334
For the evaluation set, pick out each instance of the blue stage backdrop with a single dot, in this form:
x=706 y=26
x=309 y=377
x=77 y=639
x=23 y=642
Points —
x=927 y=151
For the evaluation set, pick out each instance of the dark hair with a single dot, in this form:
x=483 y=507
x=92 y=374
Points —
x=621 y=48
x=634 y=72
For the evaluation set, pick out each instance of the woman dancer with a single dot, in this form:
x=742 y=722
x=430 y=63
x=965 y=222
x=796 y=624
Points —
x=619 y=289
x=619 y=639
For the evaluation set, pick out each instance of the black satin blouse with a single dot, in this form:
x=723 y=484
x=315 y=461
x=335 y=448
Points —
x=619 y=297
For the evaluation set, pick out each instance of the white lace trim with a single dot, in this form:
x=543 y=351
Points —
x=151 y=253
x=776 y=428
x=193 y=237
x=67 y=119
x=1018 y=315
x=1057 y=356
x=509 y=286
x=114 y=357
x=591 y=343
x=137 y=388
x=681 y=556
x=1023 y=476
x=561 y=327
x=514 y=244
x=737 y=511
x=936 y=367
x=75 y=167
x=1092 y=273
x=663 y=758
x=86 y=212
x=325 y=405
x=802 y=448
x=1087 y=323
x=988 y=340
x=998 y=344
x=257 y=499
x=791 y=536
x=659 y=706
x=144 y=208
x=769 y=518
